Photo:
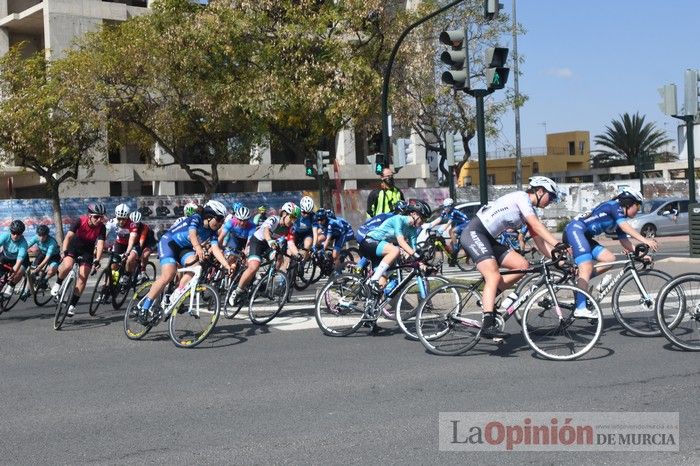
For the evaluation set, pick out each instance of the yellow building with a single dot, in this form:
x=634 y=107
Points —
x=565 y=152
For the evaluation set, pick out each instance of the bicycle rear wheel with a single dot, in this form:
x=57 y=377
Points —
x=410 y=298
x=552 y=331
x=448 y=321
x=19 y=289
x=268 y=298
x=633 y=310
x=464 y=262
x=102 y=293
x=340 y=305
x=191 y=325
x=680 y=328
x=138 y=323
x=42 y=294
x=149 y=273
x=64 y=298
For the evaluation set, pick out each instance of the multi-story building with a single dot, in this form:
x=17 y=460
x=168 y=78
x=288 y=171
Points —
x=54 y=25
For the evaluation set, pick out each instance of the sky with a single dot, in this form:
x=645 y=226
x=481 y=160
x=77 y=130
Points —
x=589 y=61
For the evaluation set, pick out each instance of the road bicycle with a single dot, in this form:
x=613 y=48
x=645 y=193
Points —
x=8 y=302
x=678 y=311
x=66 y=291
x=191 y=314
x=437 y=243
x=113 y=284
x=449 y=326
x=273 y=289
x=320 y=264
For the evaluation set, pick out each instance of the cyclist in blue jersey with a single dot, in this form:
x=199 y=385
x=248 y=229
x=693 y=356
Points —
x=305 y=227
x=234 y=235
x=14 y=253
x=182 y=244
x=337 y=232
x=610 y=216
x=398 y=233
x=49 y=255
x=455 y=222
x=374 y=222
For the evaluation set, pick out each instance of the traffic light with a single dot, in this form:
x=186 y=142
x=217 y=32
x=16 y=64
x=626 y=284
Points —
x=668 y=104
x=457 y=58
x=496 y=72
x=491 y=8
x=403 y=153
x=691 y=92
x=379 y=165
x=310 y=169
x=322 y=161
x=455 y=148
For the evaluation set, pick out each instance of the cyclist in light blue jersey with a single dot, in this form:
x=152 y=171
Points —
x=14 y=254
x=49 y=255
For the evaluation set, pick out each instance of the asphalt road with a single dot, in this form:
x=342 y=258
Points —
x=288 y=394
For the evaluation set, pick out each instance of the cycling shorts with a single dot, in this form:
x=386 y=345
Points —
x=150 y=242
x=169 y=252
x=480 y=245
x=339 y=242
x=584 y=246
x=79 y=249
x=371 y=250
x=53 y=260
x=257 y=249
x=11 y=262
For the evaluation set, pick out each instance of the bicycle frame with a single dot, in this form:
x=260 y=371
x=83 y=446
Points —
x=628 y=266
x=197 y=271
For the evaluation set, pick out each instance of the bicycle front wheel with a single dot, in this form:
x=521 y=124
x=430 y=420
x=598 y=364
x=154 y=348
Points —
x=552 y=331
x=101 y=294
x=42 y=294
x=410 y=298
x=19 y=290
x=634 y=306
x=268 y=298
x=680 y=328
x=191 y=324
x=340 y=305
x=448 y=321
x=64 y=299
x=137 y=323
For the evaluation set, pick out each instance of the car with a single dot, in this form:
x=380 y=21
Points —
x=662 y=216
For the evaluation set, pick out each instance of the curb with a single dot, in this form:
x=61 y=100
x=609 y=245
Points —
x=679 y=260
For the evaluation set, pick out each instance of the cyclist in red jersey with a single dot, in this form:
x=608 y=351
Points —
x=126 y=239
x=85 y=239
x=145 y=239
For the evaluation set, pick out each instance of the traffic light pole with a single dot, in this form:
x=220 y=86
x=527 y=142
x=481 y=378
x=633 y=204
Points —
x=690 y=137
x=479 y=95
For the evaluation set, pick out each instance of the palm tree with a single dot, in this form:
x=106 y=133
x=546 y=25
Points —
x=626 y=139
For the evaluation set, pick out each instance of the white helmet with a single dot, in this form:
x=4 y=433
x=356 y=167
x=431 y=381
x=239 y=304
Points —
x=135 y=216
x=291 y=209
x=631 y=195
x=306 y=204
x=215 y=208
x=122 y=211
x=449 y=202
x=243 y=213
x=548 y=184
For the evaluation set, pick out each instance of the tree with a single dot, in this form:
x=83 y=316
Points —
x=41 y=127
x=627 y=139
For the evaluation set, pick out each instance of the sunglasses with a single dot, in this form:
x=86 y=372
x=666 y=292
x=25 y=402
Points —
x=96 y=216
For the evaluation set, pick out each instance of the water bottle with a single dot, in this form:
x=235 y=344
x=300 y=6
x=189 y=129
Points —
x=510 y=299
x=390 y=286
x=115 y=277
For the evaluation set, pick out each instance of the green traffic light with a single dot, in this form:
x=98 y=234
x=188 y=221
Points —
x=378 y=168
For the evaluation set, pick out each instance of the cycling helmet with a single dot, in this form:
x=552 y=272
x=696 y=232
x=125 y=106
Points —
x=291 y=209
x=96 y=209
x=449 y=202
x=122 y=211
x=17 y=226
x=548 y=184
x=629 y=197
x=214 y=209
x=306 y=204
x=331 y=213
x=400 y=207
x=42 y=230
x=242 y=213
x=135 y=216
x=321 y=214
x=189 y=209
x=262 y=209
x=421 y=208
x=235 y=206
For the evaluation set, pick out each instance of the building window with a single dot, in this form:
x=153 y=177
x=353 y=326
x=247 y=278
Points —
x=115 y=188
x=147 y=188
x=535 y=168
x=572 y=148
x=581 y=147
x=467 y=181
x=491 y=179
x=114 y=155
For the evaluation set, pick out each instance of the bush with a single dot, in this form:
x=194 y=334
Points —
x=562 y=223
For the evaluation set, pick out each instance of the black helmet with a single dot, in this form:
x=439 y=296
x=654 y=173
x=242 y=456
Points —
x=400 y=207
x=17 y=226
x=42 y=230
x=421 y=208
x=96 y=209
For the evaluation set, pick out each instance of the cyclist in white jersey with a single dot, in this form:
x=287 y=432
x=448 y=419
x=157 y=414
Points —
x=479 y=240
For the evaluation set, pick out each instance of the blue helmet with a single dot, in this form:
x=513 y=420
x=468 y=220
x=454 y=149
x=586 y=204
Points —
x=400 y=207
x=330 y=213
x=321 y=214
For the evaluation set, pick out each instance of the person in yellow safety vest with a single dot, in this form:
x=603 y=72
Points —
x=383 y=200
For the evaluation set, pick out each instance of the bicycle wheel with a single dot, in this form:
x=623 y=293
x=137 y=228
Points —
x=634 y=308
x=232 y=309
x=550 y=328
x=529 y=280
x=64 y=298
x=340 y=305
x=102 y=293
x=683 y=292
x=448 y=321
x=120 y=291
x=20 y=287
x=268 y=298
x=191 y=325
x=138 y=323
x=410 y=298
x=42 y=293
x=149 y=273
x=305 y=272
x=464 y=262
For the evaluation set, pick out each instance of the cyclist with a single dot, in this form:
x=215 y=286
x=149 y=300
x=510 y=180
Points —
x=49 y=255
x=610 y=216
x=398 y=233
x=374 y=222
x=273 y=233
x=260 y=216
x=305 y=226
x=182 y=245
x=235 y=233
x=145 y=241
x=455 y=222
x=336 y=231
x=479 y=240
x=14 y=253
x=85 y=239
x=126 y=242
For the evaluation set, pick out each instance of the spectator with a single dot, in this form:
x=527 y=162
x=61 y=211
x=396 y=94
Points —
x=162 y=210
x=383 y=200
x=145 y=210
x=179 y=209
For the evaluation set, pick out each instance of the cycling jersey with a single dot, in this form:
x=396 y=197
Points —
x=13 y=249
x=370 y=225
x=123 y=232
x=509 y=211
x=180 y=232
x=393 y=228
x=87 y=235
x=456 y=216
x=237 y=233
x=47 y=248
x=338 y=228
x=144 y=234
x=604 y=218
x=304 y=225
x=277 y=230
